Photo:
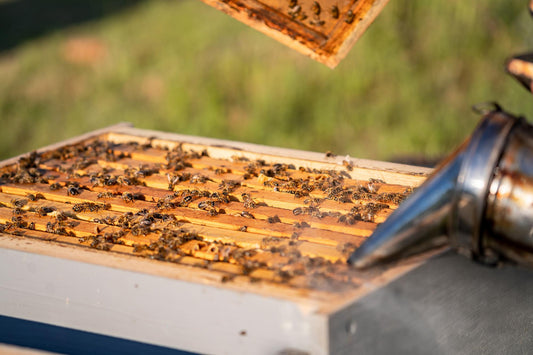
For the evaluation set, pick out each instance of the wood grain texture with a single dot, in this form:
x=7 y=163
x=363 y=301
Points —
x=254 y=218
x=324 y=30
x=173 y=239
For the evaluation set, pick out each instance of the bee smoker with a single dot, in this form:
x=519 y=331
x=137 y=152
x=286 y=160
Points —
x=479 y=200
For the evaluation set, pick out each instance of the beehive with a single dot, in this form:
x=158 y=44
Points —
x=238 y=217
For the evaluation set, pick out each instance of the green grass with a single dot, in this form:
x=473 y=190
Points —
x=406 y=87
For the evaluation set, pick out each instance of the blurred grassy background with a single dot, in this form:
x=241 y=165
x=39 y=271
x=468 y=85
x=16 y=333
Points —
x=405 y=89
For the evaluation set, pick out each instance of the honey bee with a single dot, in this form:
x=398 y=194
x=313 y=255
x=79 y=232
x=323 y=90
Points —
x=391 y=197
x=317 y=22
x=33 y=197
x=372 y=188
x=19 y=222
x=227 y=278
x=247 y=215
x=60 y=216
x=19 y=202
x=248 y=201
x=376 y=181
x=229 y=185
x=295 y=11
x=73 y=190
x=315 y=8
x=18 y=211
x=273 y=219
x=172 y=181
x=297 y=211
x=349 y=17
x=106 y=194
x=302 y=225
x=44 y=210
x=50 y=227
x=344 y=174
x=55 y=186
x=204 y=205
x=199 y=179
x=128 y=197
x=335 y=14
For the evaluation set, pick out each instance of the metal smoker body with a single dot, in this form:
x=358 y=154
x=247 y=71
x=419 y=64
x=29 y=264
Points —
x=480 y=201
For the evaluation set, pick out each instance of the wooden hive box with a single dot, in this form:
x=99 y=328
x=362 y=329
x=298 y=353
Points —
x=193 y=243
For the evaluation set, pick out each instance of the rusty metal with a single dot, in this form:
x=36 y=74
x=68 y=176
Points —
x=510 y=201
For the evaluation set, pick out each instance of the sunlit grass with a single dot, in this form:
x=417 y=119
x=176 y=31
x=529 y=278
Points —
x=405 y=89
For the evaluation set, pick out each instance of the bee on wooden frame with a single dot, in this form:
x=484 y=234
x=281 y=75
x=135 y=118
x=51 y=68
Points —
x=349 y=17
x=73 y=190
x=335 y=14
x=315 y=8
x=273 y=219
x=55 y=186
x=247 y=215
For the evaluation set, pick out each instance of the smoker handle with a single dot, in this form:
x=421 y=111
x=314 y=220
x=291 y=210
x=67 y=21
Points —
x=521 y=67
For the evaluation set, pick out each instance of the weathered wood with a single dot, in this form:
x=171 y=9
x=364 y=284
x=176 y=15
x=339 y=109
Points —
x=324 y=31
x=222 y=229
x=363 y=169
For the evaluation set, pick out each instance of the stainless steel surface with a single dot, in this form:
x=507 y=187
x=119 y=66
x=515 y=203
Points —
x=480 y=198
x=478 y=161
x=419 y=223
x=479 y=201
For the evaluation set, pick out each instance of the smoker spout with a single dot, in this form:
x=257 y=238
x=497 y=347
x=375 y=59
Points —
x=465 y=202
x=418 y=224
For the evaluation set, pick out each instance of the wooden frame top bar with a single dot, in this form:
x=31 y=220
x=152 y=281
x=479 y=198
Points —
x=324 y=30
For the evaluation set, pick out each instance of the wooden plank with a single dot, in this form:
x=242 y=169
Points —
x=363 y=169
x=75 y=140
x=210 y=256
x=283 y=200
x=321 y=243
x=83 y=228
x=160 y=309
x=312 y=28
x=223 y=225
x=213 y=182
x=157 y=157
x=205 y=169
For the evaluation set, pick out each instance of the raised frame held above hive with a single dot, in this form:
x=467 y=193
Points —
x=324 y=30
